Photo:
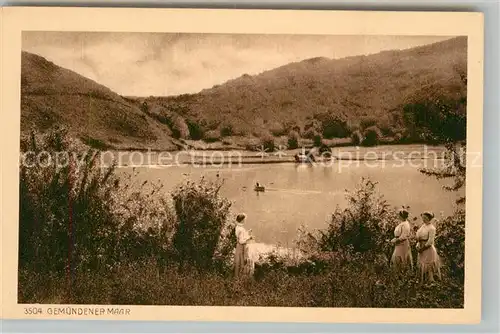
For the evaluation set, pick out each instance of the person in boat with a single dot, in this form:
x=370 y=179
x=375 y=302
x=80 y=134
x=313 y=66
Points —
x=401 y=257
x=429 y=262
x=241 y=253
x=259 y=187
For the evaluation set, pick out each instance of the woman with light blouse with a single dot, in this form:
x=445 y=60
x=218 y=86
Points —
x=401 y=257
x=241 y=263
x=428 y=259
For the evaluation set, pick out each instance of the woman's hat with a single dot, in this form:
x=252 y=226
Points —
x=428 y=214
x=240 y=217
x=403 y=212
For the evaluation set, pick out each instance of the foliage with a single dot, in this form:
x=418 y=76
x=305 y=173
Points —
x=437 y=121
x=333 y=127
x=212 y=136
x=201 y=217
x=95 y=143
x=179 y=128
x=334 y=286
x=384 y=123
x=226 y=130
x=196 y=131
x=367 y=121
x=129 y=240
x=450 y=239
x=317 y=140
x=356 y=138
x=371 y=136
x=451 y=231
x=277 y=129
x=75 y=215
x=268 y=143
x=364 y=226
x=293 y=140
x=454 y=167
x=312 y=128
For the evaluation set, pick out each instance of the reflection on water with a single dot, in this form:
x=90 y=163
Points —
x=305 y=194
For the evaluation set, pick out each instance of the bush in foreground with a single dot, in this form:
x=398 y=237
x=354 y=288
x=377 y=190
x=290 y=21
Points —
x=201 y=218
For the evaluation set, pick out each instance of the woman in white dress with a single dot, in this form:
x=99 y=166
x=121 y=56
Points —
x=401 y=257
x=241 y=252
x=428 y=259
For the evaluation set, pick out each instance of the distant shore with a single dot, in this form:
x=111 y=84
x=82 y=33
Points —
x=246 y=157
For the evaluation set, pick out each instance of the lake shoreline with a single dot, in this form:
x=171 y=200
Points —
x=225 y=148
x=385 y=153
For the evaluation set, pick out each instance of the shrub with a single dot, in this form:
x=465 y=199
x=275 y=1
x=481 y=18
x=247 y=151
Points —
x=438 y=120
x=385 y=124
x=277 y=129
x=367 y=121
x=268 y=144
x=253 y=144
x=334 y=128
x=371 y=136
x=317 y=140
x=62 y=204
x=312 y=128
x=450 y=234
x=144 y=106
x=195 y=130
x=115 y=235
x=226 y=130
x=356 y=138
x=364 y=226
x=179 y=128
x=398 y=137
x=201 y=217
x=293 y=140
x=454 y=167
x=73 y=214
x=98 y=144
x=450 y=241
x=212 y=136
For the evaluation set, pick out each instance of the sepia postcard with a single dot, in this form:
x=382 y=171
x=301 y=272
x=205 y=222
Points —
x=241 y=165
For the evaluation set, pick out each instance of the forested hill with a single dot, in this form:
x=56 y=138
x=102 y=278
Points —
x=332 y=97
x=410 y=95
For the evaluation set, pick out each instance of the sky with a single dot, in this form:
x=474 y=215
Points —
x=144 y=64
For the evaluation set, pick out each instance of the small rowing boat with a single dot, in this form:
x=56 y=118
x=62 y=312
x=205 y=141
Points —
x=259 y=188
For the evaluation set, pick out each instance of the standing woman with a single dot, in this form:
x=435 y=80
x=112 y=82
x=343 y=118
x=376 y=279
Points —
x=242 y=237
x=428 y=258
x=401 y=257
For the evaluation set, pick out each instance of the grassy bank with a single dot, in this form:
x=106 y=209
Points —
x=343 y=285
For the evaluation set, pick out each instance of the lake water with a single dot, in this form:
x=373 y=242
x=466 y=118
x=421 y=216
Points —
x=307 y=195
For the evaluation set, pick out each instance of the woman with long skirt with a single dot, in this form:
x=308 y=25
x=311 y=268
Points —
x=428 y=259
x=401 y=257
x=241 y=252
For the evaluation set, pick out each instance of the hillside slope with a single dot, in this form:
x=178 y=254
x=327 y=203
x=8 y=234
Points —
x=330 y=97
x=351 y=89
x=52 y=95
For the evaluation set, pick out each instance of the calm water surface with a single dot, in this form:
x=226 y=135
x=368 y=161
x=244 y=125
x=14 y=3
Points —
x=306 y=195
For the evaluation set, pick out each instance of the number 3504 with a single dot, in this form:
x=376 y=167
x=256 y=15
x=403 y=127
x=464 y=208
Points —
x=32 y=310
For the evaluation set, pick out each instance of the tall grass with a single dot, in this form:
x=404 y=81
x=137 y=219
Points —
x=87 y=236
